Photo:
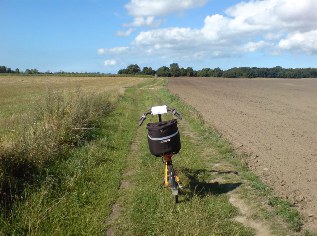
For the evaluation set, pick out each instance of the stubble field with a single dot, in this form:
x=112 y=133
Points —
x=19 y=94
x=274 y=120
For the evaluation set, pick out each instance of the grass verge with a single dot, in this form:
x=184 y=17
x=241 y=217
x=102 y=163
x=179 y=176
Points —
x=78 y=158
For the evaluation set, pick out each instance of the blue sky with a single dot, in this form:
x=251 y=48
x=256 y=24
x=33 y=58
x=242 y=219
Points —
x=104 y=36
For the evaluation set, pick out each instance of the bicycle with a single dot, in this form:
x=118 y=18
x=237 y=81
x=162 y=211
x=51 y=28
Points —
x=164 y=142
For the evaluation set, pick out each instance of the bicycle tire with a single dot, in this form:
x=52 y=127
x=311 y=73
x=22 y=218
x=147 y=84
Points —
x=176 y=199
x=172 y=182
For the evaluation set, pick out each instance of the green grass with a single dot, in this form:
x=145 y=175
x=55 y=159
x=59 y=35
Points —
x=74 y=182
x=284 y=208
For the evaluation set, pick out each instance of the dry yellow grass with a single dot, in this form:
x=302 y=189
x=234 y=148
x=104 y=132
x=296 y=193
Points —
x=18 y=94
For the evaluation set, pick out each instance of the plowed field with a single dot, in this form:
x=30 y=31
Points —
x=275 y=120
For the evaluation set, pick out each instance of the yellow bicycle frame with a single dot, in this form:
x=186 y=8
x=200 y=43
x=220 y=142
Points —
x=167 y=159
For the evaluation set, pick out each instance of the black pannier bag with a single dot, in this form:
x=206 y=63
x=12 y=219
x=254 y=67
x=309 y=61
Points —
x=163 y=137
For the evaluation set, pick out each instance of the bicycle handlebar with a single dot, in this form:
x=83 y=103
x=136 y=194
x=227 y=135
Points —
x=173 y=111
x=142 y=119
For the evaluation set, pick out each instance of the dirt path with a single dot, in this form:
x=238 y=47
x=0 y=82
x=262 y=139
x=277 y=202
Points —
x=245 y=217
x=125 y=184
x=275 y=120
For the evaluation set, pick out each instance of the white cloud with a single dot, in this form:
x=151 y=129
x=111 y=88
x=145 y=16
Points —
x=254 y=46
x=300 y=42
x=169 y=36
x=101 y=51
x=145 y=11
x=268 y=26
x=115 y=50
x=143 y=21
x=252 y=16
x=110 y=62
x=300 y=14
x=144 y=8
x=275 y=14
x=125 y=33
x=216 y=26
x=118 y=49
x=273 y=36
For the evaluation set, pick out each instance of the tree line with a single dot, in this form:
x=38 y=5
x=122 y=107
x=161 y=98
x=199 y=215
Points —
x=4 y=69
x=237 y=72
x=174 y=70
x=8 y=70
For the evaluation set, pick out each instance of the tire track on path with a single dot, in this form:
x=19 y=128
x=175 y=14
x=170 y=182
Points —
x=125 y=184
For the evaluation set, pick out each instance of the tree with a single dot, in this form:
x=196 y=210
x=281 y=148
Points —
x=275 y=72
x=231 y=73
x=133 y=69
x=163 y=71
x=28 y=71
x=175 y=70
x=183 y=72
x=17 y=71
x=35 y=71
x=148 y=71
x=123 y=71
x=190 y=71
x=235 y=72
x=3 y=69
x=217 y=72
x=205 y=72
x=32 y=71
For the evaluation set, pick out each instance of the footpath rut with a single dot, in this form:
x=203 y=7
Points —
x=125 y=184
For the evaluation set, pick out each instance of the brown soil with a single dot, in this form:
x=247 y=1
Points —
x=273 y=119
